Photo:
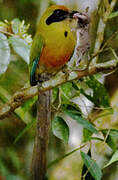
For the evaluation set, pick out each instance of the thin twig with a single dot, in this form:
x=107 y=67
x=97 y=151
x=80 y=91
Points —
x=66 y=155
x=8 y=33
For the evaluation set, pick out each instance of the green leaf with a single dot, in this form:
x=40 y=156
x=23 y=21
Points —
x=99 y=96
x=21 y=47
x=112 y=136
x=112 y=132
x=114 y=14
x=112 y=142
x=92 y=166
x=113 y=159
x=2 y=25
x=87 y=135
x=85 y=123
x=85 y=174
x=66 y=92
x=55 y=93
x=4 y=53
x=15 y=25
x=60 y=128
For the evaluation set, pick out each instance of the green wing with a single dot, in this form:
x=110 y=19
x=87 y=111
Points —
x=35 y=53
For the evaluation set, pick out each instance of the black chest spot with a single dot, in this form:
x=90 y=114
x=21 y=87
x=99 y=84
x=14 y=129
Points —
x=66 y=33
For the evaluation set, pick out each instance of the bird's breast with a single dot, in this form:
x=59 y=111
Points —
x=54 y=59
x=55 y=55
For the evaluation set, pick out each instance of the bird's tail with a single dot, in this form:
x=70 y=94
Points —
x=42 y=135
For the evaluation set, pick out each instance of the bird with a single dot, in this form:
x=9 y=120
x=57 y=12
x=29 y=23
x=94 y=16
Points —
x=52 y=47
x=53 y=44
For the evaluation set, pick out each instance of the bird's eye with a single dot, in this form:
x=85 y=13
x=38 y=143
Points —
x=57 y=12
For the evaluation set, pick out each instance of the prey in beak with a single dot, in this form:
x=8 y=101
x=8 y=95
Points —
x=83 y=37
x=82 y=18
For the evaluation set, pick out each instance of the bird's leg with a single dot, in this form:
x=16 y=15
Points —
x=44 y=77
x=66 y=70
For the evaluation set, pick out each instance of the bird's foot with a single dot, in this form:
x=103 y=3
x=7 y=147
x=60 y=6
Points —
x=44 y=77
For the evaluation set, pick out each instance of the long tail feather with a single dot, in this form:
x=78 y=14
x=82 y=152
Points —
x=42 y=136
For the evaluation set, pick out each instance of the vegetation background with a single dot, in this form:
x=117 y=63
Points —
x=95 y=97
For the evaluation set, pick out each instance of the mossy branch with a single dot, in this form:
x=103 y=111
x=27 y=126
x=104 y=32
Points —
x=63 y=76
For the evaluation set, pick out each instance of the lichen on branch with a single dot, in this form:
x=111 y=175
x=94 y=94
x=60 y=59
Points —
x=20 y=97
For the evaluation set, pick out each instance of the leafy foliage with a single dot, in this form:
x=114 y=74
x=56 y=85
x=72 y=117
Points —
x=85 y=123
x=111 y=136
x=19 y=40
x=111 y=132
x=92 y=166
x=4 y=53
x=114 y=14
x=60 y=128
x=85 y=173
x=21 y=47
x=99 y=96
x=66 y=90
x=87 y=135
x=113 y=159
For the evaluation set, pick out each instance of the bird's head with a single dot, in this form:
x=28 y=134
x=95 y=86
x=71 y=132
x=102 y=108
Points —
x=57 y=13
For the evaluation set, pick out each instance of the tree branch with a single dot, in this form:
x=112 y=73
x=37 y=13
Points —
x=20 y=97
x=101 y=28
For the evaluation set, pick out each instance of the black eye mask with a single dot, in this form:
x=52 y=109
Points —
x=57 y=16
